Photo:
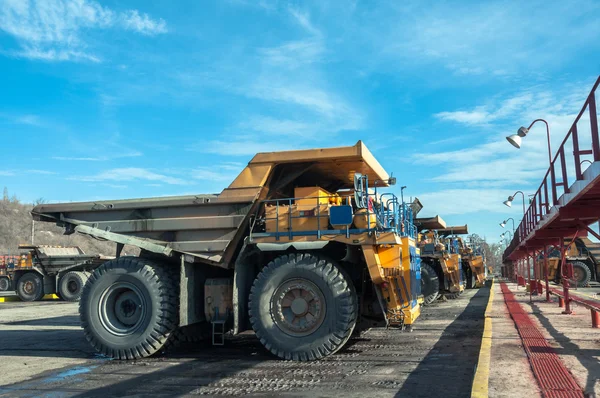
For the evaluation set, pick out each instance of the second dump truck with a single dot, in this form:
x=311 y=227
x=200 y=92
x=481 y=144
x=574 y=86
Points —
x=41 y=270
x=301 y=247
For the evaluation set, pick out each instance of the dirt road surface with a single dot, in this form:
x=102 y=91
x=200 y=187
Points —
x=44 y=353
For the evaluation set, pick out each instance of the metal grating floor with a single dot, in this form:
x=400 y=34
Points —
x=553 y=377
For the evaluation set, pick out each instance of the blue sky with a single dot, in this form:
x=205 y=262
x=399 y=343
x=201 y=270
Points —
x=121 y=99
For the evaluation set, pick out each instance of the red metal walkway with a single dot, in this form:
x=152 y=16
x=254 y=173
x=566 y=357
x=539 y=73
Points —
x=569 y=197
x=553 y=377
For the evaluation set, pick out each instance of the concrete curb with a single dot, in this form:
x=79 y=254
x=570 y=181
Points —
x=482 y=374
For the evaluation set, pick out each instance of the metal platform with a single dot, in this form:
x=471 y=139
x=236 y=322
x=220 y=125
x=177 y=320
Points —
x=559 y=210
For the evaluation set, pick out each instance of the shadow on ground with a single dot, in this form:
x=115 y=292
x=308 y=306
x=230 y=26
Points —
x=448 y=369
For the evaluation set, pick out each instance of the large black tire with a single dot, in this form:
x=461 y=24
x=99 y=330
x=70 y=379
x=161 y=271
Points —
x=70 y=285
x=581 y=274
x=129 y=307
x=4 y=284
x=452 y=296
x=30 y=287
x=468 y=275
x=303 y=307
x=430 y=284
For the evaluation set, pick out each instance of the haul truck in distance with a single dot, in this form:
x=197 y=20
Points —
x=473 y=261
x=584 y=257
x=441 y=266
x=41 y=270
x=300 y=247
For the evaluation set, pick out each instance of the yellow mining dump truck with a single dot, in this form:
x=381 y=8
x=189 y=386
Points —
x=473 y=261
x=583 y=254
x=441 y=267
x=300 y=247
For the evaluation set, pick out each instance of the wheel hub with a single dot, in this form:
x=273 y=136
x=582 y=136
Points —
x=122 y=308
x=28 y=287
x=299 y=307
x=72 y=286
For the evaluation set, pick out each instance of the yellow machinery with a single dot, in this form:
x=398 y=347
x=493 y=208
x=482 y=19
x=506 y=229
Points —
x=581 y=253
x=441 y=266
x=473 y=260
x=310 y=246
x=377 y=224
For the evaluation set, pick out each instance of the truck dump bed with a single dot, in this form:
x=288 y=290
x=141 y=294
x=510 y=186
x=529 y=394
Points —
x=211 y=228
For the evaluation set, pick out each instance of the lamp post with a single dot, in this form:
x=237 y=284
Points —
x=503 y=223
x=516 y=139
x=508 y=202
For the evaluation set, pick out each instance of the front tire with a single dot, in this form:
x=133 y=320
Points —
x=129 y=307
x=303 y=307
x=30 y=287
x=581 y=274
x=4 y=284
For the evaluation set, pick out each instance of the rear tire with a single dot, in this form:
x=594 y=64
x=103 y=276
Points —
x=129 y=307
x=430 y=284
x=468 y=274
x=4 y=284
x=581 y=274
x=303 y=307
x=452 y=296
x=30 y=287
x=70 y=286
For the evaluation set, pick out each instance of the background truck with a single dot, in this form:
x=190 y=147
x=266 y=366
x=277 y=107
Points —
x=441 y=264
x=582 y=254
x=473 y=261
x=41 y=270
x=301 y=247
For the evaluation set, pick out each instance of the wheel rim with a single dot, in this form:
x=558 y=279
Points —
x=578 y=275
x=122 y=309
x=299 y=307
x=72 y=286
x=3 y=284
x=29 y=287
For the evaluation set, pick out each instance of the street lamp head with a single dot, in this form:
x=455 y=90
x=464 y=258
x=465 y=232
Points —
x=503 y=224
x=508 y=202
x=522 y=131
x=514 y=140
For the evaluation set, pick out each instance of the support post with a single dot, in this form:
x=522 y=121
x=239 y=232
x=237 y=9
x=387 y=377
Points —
x=546 y=254
x=529 y=277
x=564 y=277
x=595 y=319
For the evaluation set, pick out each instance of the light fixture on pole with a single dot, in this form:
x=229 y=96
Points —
x=503 y=223
x=517 y=139
x=508 y=202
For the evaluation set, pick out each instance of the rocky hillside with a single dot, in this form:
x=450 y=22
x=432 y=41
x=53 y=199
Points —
x=15 y=228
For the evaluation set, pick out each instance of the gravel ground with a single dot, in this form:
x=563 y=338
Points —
x=45 y=354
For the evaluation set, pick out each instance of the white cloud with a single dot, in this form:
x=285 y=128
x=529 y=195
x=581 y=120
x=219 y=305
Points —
x=293 y=54
x=243 y=147
x=6 y=173
x=131 y=174
x=78 y=159
x=51 y=30
x=303 y=20
x=464 y=201
x=142 y=23
x=272 y=126
x=467 y=117
x=486 y=171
